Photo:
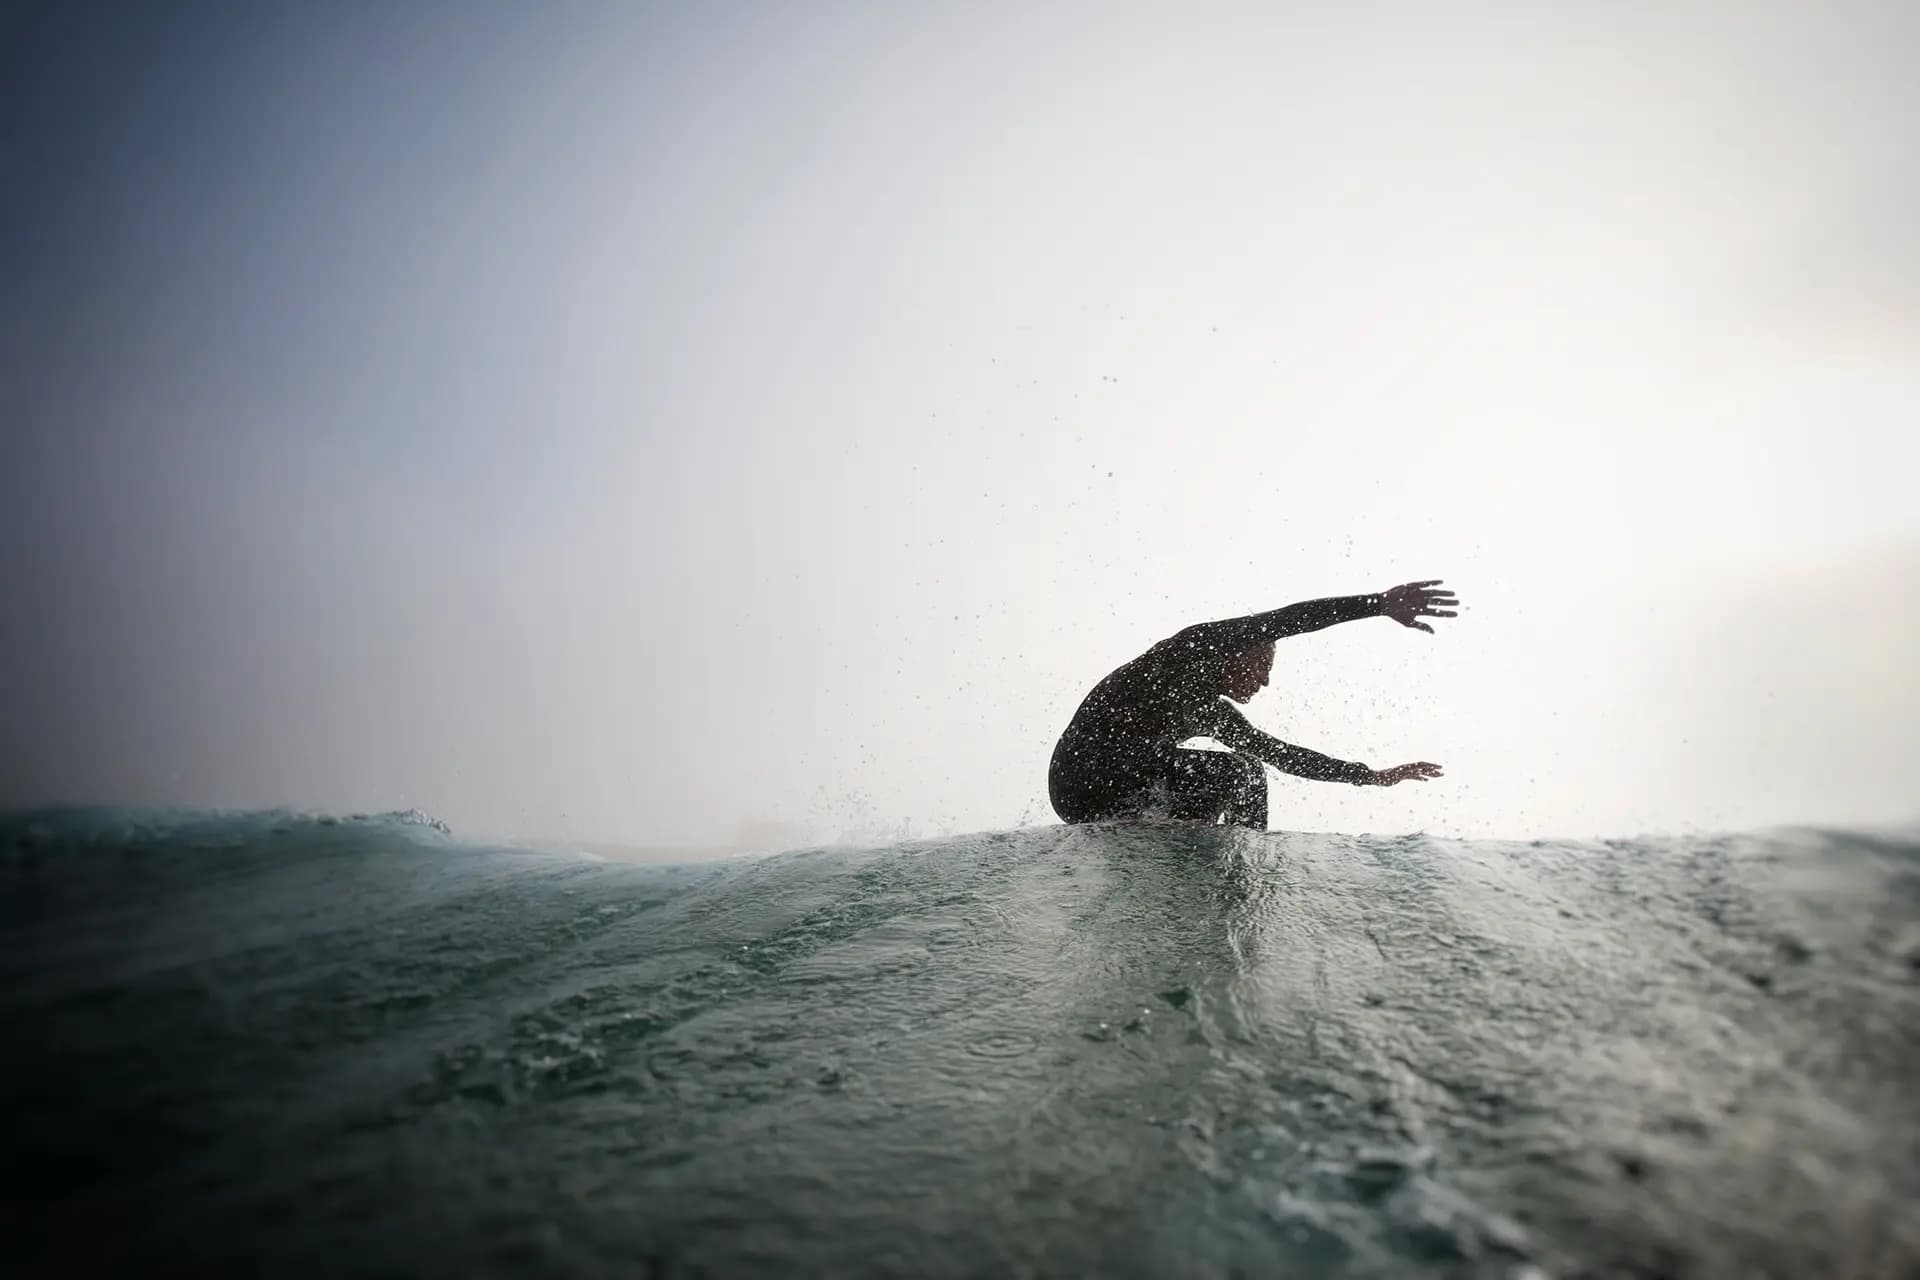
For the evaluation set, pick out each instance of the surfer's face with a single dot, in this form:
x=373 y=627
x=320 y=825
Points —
x=1247 y=672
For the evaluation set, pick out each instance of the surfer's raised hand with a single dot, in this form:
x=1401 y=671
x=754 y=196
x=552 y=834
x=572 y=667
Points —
x=1419 y=771
x=1414 y=600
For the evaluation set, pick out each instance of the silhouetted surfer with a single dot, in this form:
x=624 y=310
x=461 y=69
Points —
x=1121 y=756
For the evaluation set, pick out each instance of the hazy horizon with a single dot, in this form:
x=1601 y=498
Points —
x=630 y=424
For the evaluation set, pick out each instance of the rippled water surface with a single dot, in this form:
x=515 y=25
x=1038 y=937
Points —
x=265 y=1042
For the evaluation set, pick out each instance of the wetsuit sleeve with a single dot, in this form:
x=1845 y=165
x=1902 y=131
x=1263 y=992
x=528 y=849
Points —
x=1227 y=725
x=1231 y=634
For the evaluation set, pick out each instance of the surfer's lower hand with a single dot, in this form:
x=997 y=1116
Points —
x=1420 y=770
x=1414 y=600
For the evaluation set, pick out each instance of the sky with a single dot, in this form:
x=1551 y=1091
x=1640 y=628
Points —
x=655 y=424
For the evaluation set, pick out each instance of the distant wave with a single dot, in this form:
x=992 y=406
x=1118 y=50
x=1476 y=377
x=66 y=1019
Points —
x=82 y=826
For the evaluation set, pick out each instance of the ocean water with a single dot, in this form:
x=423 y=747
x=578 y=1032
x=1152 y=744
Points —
x=269 y=1043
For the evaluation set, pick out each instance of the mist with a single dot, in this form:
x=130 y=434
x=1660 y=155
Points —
x=653 y=424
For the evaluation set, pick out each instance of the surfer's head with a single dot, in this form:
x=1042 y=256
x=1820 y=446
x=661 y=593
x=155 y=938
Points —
x=1246 y=673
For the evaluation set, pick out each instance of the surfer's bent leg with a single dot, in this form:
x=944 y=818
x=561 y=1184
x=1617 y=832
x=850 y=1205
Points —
x=1215 y=786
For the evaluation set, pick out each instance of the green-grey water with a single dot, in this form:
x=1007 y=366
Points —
x=269 y=1043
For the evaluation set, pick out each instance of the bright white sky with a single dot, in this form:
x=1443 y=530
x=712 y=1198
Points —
x=623 y=423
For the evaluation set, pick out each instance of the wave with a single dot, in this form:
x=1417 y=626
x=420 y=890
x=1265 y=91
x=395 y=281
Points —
x=281 y=1040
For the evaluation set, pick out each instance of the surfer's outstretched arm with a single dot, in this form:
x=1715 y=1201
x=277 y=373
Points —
x=1231 y=635
x=1229 y=726
x=1405 y=604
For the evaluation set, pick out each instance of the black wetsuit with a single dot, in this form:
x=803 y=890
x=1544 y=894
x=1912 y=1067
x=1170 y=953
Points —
x=1120 y=756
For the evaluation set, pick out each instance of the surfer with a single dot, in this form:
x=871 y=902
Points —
x=1121 y=757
